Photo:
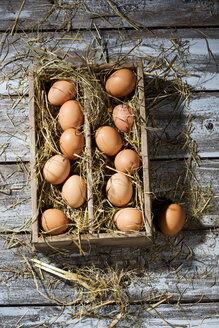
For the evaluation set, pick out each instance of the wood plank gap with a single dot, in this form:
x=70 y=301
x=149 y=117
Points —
x=203 y=91
x=182 y=158
x=148 y=28
x=29 y=305
x=7 y=233
x=203 y=301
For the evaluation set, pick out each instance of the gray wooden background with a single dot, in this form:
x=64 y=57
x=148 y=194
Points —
x=185 y=266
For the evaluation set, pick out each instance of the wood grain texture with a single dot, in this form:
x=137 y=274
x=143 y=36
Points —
x=194 y=281
x=15 y=197
x=14 y=130
x=86 y=14
x=87 y=131
x=15 y=194
x=202 y=107
x=145 y=152
x=169 y=139
x=33 y=178
x=188 y=315
x=196 y=62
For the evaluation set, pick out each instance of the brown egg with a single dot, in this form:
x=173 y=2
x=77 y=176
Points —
x=74 y=191
x=54 y=221
x=171 y=219
x=56 y=169
x=71 y=142
x=108 y=140
x=121 y=83
x=123 y=118
x=61 y=91
x=127 y=161
x=119 y=189
x=129 y=219
x=70 y=115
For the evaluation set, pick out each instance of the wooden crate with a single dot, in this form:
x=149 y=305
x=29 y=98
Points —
x=91 y=239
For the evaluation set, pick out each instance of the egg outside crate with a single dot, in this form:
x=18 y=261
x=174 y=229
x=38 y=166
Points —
x=90 y=239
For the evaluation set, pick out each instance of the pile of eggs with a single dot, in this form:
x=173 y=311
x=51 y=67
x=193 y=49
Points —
x=57 y=168
x=119 y=187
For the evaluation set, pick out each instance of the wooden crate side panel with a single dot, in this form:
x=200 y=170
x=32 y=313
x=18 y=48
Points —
x=87 y=241
x=88 y=162
x=35 y=225
x=144 y=150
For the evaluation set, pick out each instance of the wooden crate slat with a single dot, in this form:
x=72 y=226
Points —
x=144 y=152
x=35 y=225
x=88 y=162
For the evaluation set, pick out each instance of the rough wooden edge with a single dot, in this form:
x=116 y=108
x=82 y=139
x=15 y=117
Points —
x=145 y=152
x=88 y=163
x=93 y=240
x=113 y=65
x=35 y=225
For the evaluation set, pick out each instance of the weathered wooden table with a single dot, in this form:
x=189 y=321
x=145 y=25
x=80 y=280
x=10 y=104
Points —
x=176 y=281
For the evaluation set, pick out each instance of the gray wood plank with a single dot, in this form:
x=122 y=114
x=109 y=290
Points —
x=167 y=180
x=14 y=129
x=186 y=266
x=169 y=139
x=187 y=315
x=15 y=197
x=84 y=14
x=202 y=108
x=196 y=62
